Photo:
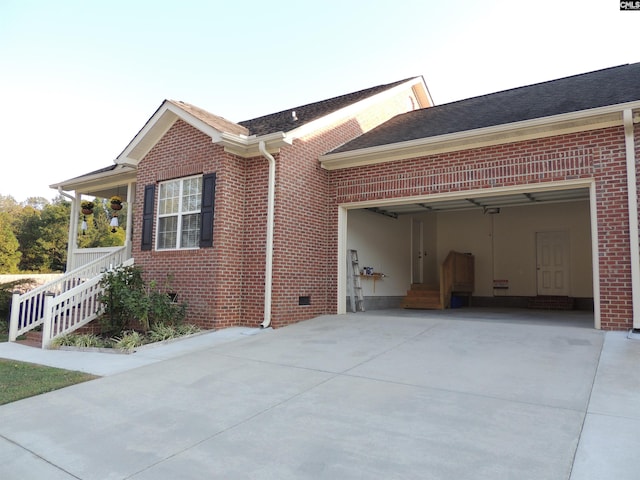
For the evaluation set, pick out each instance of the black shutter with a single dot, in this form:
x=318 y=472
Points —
x=207 y=207
x=147 y=216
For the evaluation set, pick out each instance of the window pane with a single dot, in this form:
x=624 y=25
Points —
x=191 y=194
x=167 y=232
x=179 y=205
x=169 y=197
x=190 y=237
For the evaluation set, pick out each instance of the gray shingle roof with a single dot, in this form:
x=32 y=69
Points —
x=601 y=88
x=283 y=121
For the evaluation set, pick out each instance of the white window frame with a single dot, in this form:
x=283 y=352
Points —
x=180 y=214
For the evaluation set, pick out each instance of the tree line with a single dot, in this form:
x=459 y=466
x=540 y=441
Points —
x=34 y=233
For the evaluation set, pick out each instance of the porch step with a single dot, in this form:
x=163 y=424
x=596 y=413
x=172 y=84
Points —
x=422 y=296
x=549 y=302
x=32 y=338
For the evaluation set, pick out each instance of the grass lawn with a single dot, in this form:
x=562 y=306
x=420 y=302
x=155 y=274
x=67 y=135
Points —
x=20 y=380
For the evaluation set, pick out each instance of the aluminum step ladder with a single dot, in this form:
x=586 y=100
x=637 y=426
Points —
x=353 y=274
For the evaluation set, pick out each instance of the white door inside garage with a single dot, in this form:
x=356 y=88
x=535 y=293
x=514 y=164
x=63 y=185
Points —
x=552 y=254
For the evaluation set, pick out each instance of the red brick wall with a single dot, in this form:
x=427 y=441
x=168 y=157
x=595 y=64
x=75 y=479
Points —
x=597 y=154
x=254 y=240
x=304 y=245
x=224 y=285
x=209 y=280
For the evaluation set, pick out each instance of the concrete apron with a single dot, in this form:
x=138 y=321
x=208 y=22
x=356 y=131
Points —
x=457 y=395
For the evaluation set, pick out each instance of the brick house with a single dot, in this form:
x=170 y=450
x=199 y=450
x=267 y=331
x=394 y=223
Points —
x=254 y=219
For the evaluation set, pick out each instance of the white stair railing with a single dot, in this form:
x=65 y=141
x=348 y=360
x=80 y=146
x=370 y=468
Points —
x=72 y=309
x=28 y=310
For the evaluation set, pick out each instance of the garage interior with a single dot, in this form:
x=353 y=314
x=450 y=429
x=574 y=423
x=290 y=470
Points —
x=530 y=249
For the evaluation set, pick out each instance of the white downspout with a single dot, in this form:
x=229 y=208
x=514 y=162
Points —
x=73 y=229
x=268 y=269
x=627 y=116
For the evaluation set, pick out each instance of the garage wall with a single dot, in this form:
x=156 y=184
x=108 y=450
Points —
x=468 y=231
x=431 y=269
x=382 y=243
x=504 y=245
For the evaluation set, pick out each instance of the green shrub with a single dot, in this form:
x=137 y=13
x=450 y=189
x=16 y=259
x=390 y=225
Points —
x=84 y=340
x=124 y=288
x=63 y=341
x=128 y=341
x=160 y=332
x=89 y=340
x=128 y=302
x=162 y=309
x=187 y=329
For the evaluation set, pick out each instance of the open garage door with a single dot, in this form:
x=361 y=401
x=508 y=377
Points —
x=516 y=239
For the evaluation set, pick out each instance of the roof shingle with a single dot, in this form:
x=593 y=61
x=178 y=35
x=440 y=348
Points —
x=215 y=121
x=600 y=88
x=284 y=121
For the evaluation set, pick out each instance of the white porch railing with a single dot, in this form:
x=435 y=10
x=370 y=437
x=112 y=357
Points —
x=77 y=291
x=84 y=256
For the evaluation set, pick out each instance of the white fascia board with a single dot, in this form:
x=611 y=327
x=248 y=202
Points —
x=156 y=127
x=355 y=108
x=428 y=99
x=583 y=120
x=247 y=147
x=103 y=179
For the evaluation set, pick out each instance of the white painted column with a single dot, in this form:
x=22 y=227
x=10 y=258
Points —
x=72 y=240
x=131 y=194
x=342 y=260
x=629 y=141
x=14 y=318
x=595 y=257
x=47 y=324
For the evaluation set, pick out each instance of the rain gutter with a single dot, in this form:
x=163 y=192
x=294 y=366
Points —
x=596 y=118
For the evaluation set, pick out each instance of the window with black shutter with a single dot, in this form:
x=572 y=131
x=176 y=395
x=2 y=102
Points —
x=184 y=213
x=206 y=213
x=147 y=216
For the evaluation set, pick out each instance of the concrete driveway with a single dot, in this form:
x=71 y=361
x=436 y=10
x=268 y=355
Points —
x=467 y=394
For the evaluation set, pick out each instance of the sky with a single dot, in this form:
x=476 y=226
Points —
x=79 y=78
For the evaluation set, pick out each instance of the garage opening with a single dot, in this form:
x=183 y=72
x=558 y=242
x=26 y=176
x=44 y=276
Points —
x=530 y=249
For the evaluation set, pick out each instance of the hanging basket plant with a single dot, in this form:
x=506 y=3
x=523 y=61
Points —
x=87 y=207
x=116 y=202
